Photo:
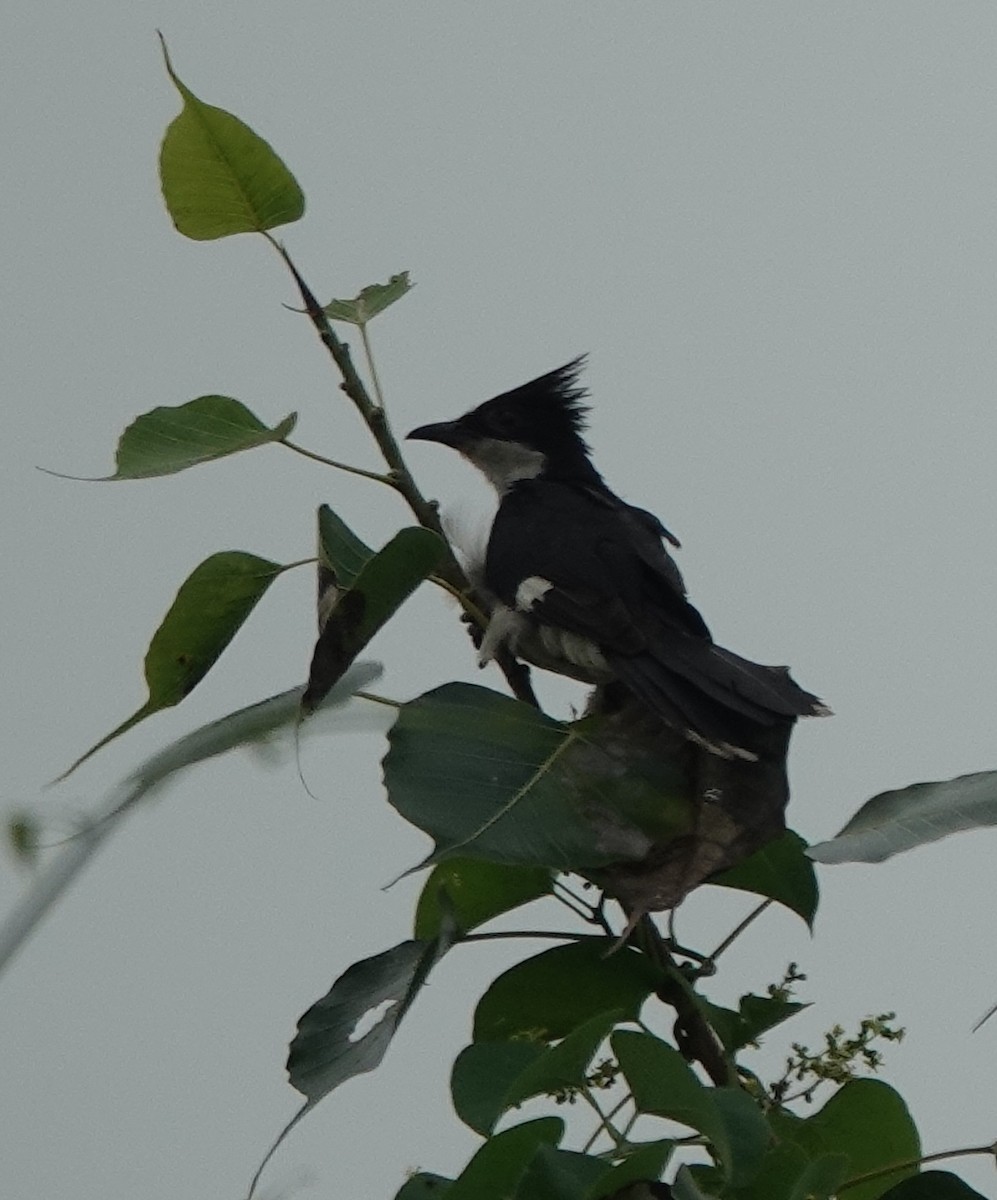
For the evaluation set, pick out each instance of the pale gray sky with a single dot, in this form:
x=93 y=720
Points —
x=771 y=224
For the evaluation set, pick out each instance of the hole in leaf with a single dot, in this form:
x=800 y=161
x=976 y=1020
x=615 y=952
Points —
x=373 y=1016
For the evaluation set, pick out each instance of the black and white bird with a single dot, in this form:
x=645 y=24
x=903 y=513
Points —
x=581 y=581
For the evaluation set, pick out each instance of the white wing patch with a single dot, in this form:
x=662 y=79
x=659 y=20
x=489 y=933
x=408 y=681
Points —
x=531 y=591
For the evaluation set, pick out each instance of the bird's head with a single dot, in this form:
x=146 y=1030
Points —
x=533 y=430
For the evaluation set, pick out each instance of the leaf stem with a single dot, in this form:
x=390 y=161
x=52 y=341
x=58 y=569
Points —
x=605 y=1125
x=880 y=1172
x=736 y=932
x=526 y=933
x=368 y=354
x=331 y=462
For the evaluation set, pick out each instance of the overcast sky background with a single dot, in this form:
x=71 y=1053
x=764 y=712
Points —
x=772 y=227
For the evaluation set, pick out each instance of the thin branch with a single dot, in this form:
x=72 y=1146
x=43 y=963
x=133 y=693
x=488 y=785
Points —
x=331 y=462
x=526 y=933
x=911 y=1163
x=425 y=512
x=738 y=930
x=605 y=1125
x=370 y=365
x=618 y=1107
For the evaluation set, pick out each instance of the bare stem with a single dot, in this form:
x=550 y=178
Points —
x=370 y=365
x=737 y=931
x=911 y=1163
x=340 y=466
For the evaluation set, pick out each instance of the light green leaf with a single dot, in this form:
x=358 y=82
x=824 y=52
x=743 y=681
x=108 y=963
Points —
x=209 y=609
x=780 y=871
x=167 y=440
x=373 y=299
x=547 y=996
x=218 y=176
x=912 y=816
x=478 y=891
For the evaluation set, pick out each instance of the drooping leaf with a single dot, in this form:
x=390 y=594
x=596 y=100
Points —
x=559 y=1175
x=218 y=176
x=545 y=997
x=373 y=299
x=495 y=1171
x=867 y=1121
x=643 y=1164
x=780 y=871
x=490 y=777
x=933 y=1185
x=209 y=609
x=491 y=1077
x=664 y=1085
x=384 y=582
x=339 y=548
x=478 y=891
x=912 y=816
x=167 y=440
x=246 y=726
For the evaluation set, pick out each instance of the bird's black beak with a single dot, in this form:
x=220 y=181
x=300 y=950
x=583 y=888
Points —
x=447 y=433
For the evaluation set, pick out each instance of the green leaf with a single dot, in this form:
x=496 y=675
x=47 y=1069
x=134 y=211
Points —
x=218 y=176
x=644 y=1164
x=867 y=1121
x=780 y=871
x=821 y=1178
x=478 y=892
x=933 y=1185
x=482 y=1076
x=546 y=997
x=685 y=1186
x=383 y=584
x=664 y=1085
x=754 y=1016
x=424 y=1187
x=340 y=549
x=493 y=778
x=559 y=1175
x=167 y=440
x=912 y=816
x=373 y=299
x=332 y=1043
x=209 y=609
x=495 y=1171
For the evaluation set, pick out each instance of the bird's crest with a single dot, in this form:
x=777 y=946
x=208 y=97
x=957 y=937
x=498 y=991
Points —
x=548 y=409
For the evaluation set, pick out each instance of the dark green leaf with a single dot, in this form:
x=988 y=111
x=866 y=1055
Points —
x=334 y=1041
x=371 y=300
x=933 y=1185
x=754 y=1016
x=478 y=891
x=780 y=1170
x=495 y=1171
x=340 y=549
x=547 y=996
x=218 y=176
x=209 y=609
x=167 y=440
x=685 y=1187
x=867 y=1121
x=490 y=777
x=821 y=1178
x=748 y=1133
x=383 y=584
x=559 y=1175
x=900 y=820
x=643 y=1164
x=482 y=1076
x=782 y=872
x=424 y=1187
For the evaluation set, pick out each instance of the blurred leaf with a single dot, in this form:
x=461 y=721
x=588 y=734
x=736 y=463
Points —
x=933 y=1185
x=821 y=1178
x=559 y=1175
x=867 y=1121
x=340 y=549
x=478 y=892
x=424 y=1187
x=495 y=1171
x=643 y=1164
x=22 y=837
x=493 y=778
x=686 y=1188
x=218 y=176
x=383 y=583
x=754 y=1016
x=782 y=872
x=912 y=816
x=209 y=609
x=491 y=1077
x=664 y=1085
x=372 y=300
x=167 y=440
x=545 y=997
